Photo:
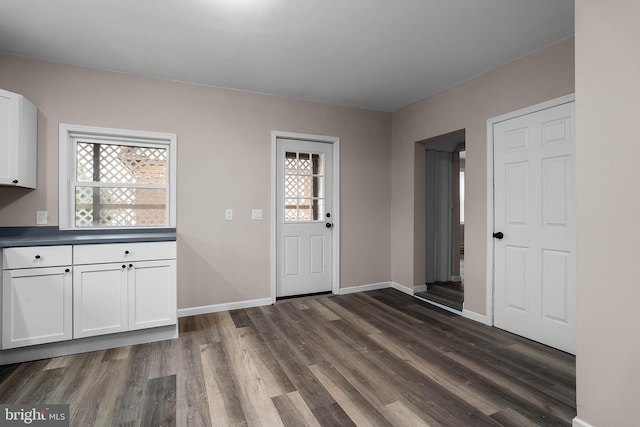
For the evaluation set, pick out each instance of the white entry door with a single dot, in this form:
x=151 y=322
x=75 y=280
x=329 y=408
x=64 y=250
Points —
x=304 y=217
x=534 y=184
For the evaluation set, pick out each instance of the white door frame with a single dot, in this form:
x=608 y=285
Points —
x=491 y=196
x=335 y=211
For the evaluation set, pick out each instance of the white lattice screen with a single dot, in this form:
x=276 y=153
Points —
x=125 y=185
x=303 y=187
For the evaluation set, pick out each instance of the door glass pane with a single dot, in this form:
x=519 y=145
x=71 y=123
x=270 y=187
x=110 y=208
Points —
x=304 y=190
x=290 y=163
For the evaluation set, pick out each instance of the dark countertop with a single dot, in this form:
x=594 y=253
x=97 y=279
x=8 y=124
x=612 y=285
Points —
x=52 y=236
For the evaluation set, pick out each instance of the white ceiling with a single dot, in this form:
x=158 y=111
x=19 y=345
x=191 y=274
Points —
x=376 y=54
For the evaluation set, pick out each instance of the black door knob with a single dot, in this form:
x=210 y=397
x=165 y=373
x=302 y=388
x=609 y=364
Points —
x=499 y=235
x=328 y=225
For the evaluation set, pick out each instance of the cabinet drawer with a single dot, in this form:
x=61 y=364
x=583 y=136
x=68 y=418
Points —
x=123 y=252
x=36 y=256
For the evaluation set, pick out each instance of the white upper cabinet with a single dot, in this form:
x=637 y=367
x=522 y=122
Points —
x=18 y=140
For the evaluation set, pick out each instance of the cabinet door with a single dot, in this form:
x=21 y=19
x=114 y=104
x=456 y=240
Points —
x=99 y=299
x=152 y=294
x=8 y=138
x=36 y=306
x=18 y=140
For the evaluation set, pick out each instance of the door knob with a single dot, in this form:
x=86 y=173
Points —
x=499 y=235
x=328 y=225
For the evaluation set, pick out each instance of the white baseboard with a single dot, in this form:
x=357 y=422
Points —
x=206 y=309
x=420 y=288
x=577 y=422
x=442 y=306
x=402 y=288
x=365 y=288
x=482 y=318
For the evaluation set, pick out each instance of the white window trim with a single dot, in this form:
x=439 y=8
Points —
x=67 y=138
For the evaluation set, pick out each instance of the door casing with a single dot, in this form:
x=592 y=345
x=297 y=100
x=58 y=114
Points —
x=490 y=280
x=335 y=249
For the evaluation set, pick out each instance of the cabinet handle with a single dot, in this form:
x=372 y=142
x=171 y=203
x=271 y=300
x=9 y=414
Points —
x=15 y=181
x=130 y=265
x=37 y=256
x=124 y=266
x=126 y=252
x=66 y=270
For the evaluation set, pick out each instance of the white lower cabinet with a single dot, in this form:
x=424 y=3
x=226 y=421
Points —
x=100 y=300
x=50 y=295
x=152 y=294
x=36 y=296
x=137 y=292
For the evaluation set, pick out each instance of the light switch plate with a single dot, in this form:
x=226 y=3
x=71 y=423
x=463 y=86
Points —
x=228 y=214
x=42 y=217
x=256 y=213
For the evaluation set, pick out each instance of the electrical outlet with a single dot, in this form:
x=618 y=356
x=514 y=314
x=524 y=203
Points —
x=228 y=214
x=42 y=217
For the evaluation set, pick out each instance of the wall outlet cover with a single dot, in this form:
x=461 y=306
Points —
x=42 y=217
x=256 y=213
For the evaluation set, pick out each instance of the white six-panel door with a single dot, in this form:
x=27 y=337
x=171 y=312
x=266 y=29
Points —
x=303 y=223
x=534 y=185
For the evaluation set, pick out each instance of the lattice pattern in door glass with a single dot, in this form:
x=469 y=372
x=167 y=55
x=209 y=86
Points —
x=121 y=164
x=303 y=187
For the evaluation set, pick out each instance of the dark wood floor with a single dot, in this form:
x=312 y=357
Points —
x=380 y=358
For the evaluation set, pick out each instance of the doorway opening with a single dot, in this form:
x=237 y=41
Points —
x=443 y=178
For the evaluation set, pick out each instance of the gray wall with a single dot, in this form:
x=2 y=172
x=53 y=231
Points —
x=224 y=161
x=543 y=75
x=607 y=153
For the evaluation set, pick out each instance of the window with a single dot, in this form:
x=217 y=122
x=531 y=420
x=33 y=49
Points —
x=303 y=187
x=113 y=178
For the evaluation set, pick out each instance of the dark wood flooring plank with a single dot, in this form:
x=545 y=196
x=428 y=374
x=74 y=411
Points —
x=163 y=361
x=357 y=407
x=293 y=410
x=240 y=318
x=137 y=375
x=187 y=324
x=43 y=386
x=118 y=353
x=98 y=398
x=159 y=408
x=192 y=407
x=223 y=396
x=19 y=378
x=271 y=370
x=509 y=417
x=255 y=387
